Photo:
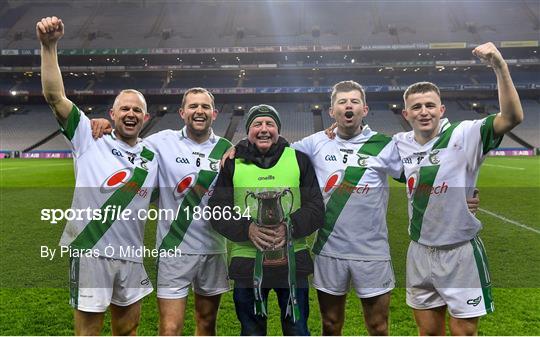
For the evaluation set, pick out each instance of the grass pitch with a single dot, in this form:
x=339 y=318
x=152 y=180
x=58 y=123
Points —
x=34 y=293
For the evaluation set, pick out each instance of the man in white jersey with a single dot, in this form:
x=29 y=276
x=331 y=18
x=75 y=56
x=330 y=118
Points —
x=117 y=173
x=446 y=261
x=188 y=167
x=353 y=245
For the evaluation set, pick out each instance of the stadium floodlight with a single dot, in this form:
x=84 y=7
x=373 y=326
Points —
x=316 y=109
x=395 y=108
x=478 y=108
x=13 y=93
x=238 y=110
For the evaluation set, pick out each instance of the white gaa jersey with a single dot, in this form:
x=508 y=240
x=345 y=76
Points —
x=353 y=176
x=441 y=175
x=113 y=181
x=187 y=175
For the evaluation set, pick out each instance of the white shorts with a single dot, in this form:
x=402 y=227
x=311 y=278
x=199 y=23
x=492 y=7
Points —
x=369 y=278
x=96 y=282
x=207 y=273
x=457 y=277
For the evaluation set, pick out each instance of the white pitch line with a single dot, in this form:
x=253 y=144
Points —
x=27 y=167
x=509 y=221
x=507 y=167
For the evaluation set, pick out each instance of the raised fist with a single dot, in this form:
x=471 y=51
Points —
x=490 y=55
x=49 y=30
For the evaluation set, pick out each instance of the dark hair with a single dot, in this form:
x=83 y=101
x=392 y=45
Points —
x=346 y=86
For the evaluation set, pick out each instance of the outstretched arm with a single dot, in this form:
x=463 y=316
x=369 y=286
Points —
x=511 y=111
x=49 y=30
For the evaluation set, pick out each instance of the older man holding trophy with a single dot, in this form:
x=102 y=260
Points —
x=267 y=201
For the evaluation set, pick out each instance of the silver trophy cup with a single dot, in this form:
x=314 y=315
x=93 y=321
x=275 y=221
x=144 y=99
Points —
x=270 y=214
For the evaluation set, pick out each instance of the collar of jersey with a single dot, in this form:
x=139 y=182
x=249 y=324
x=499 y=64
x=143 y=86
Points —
x=366 y=132
x=212 y=138
x=443 y=125
x=124 y=144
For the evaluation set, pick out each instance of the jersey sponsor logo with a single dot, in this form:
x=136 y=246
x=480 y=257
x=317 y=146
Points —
x=182 y=160
x=184 y=185
x=330 y=157
x=474 y=301
x=120 y=179
x=413 y=187
x=348 y=151
x=334 y=183
x=433 y=159
x=188 y=183
x=117 y=179
x=411 y=182
x=198 y=154
x=362 y=160
x=268 y=177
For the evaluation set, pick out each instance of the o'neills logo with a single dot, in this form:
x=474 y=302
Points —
x=414 y=187
x=120 y=179
x=268 y=177
x=188 y=183
x=334 y=183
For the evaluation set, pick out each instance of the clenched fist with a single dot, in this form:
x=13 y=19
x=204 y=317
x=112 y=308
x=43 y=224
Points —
x=490 y=55
x=49 y=30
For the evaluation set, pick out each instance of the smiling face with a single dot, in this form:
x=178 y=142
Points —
x=198 y=114
x=348 y=109
x=263 y=132
x=423 y=111
x=129 y=114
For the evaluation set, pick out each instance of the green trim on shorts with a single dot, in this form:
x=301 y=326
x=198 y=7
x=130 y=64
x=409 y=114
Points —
x=74 y=264
x=483 y=271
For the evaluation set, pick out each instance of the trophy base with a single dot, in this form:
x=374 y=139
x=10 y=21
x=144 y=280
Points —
x=274 y=258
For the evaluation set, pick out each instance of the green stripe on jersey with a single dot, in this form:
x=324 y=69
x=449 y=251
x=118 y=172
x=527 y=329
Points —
x=147 y=154
x=180 y=225
x=71 y=123
x=489 y=141
x=74 y=263
x=444 y=138
x=95 y=229
x=341 y=195
x=483 y=271
x=426 y=178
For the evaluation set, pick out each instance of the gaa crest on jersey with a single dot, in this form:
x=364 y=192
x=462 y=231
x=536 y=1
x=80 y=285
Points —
x=412 y=182
x=184 y=185
x=362 y=160
x=333 y=181
x=115 y=180
x=433 y=158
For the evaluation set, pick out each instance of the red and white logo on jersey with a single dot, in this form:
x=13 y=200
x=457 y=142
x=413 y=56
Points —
x=184 y=185
x=333 y=181
x=117 y=179
x=412 y=181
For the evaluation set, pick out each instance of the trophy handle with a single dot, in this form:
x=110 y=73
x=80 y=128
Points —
x=285 y=191
x=249 y=194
